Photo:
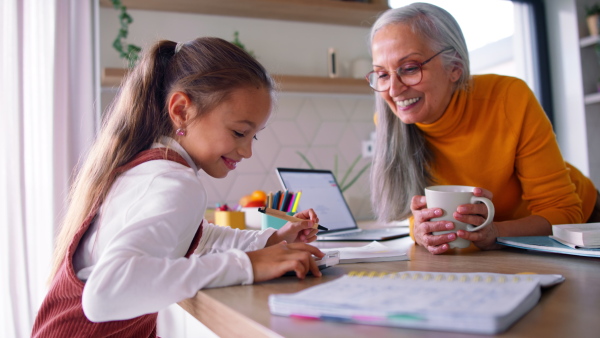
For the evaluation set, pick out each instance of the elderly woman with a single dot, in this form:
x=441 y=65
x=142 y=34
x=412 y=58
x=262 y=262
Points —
x=437 y=124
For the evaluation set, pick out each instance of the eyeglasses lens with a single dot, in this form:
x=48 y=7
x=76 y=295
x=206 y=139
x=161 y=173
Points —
x=409 y=75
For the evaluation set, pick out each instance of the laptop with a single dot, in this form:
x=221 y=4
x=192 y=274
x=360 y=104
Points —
x=320 y=191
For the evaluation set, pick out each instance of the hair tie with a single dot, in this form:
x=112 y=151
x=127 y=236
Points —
x=178 y=47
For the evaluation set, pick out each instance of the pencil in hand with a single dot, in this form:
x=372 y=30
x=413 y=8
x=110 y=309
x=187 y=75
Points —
x=282 y=215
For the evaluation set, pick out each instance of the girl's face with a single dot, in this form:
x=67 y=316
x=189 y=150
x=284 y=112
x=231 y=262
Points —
x=219 y=139
x=393 y=46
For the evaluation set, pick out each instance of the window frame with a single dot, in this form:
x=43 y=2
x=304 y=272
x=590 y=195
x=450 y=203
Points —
x=541 y=55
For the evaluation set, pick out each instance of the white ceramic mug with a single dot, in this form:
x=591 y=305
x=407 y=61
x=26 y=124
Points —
x=448 y=198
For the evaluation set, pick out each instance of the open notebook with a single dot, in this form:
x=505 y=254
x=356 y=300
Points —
x=321 y=192
x=463 y=302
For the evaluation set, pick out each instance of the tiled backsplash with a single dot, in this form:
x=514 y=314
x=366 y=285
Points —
x=319 y=126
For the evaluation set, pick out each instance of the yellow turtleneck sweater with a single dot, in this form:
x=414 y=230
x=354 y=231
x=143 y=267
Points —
x=497 y=136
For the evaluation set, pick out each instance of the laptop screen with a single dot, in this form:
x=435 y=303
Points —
x=320 y=192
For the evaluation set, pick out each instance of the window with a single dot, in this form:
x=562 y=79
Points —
x=503 y=38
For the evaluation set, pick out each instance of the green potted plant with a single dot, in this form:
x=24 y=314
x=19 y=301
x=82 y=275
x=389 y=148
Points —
x=592 y=14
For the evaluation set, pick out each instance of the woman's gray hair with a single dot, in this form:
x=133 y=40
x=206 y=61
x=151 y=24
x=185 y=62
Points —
x=402 y=160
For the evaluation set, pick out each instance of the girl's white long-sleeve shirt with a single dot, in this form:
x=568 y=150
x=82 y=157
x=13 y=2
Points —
x=132 y=256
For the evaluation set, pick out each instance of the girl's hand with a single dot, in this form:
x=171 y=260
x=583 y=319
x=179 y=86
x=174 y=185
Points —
x=424 y=228
x=476 y=214
x=273 y=261
x=298 y=232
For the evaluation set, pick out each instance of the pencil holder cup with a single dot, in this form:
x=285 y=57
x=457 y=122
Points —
x=273 y=222
x=234 y=219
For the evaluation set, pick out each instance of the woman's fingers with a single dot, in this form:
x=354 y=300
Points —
x=417 y=203
x=436 y=244
x=480 y=192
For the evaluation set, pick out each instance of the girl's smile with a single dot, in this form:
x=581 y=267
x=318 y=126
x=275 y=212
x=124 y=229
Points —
x=219 y=139
x=231 y=164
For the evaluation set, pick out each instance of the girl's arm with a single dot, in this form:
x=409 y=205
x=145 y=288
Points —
x=217 y=239
x=144 y=233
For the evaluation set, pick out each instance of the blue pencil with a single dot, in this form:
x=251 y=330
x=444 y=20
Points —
x=286 y=201
x=276 y=199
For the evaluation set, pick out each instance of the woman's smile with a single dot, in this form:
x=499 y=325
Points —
x=408 y=103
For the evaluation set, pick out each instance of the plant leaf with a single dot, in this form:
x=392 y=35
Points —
x=350 y=170
x=131 y=55
x=335 y=165
x=305 y=160
x=361 y=171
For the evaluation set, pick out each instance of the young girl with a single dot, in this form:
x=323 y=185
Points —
x=137 y=206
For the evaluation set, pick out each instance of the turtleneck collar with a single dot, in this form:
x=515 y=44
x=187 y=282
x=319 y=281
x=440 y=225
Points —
x=451 y=118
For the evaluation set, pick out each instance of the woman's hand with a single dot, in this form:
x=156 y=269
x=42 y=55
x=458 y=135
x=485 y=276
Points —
x=424 y=228
x=476 y=214
x=297 y=232
x=273 y=261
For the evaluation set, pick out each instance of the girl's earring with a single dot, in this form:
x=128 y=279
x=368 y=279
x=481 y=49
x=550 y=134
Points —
x=180 y=131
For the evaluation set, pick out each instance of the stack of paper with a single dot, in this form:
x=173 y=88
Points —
x=372 y=252
x=585 y=235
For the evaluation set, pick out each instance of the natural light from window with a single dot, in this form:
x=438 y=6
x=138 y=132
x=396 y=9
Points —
x=479 y=28
x=498 y=33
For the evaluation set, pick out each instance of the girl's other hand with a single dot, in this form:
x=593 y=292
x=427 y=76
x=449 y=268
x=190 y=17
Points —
x=297 y=232
x=273 y=261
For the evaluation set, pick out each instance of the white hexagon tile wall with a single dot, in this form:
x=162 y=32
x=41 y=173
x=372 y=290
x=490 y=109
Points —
x=320 y=127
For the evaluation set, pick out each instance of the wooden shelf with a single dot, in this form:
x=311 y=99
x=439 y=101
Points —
x=321 y=11
x=111 y=77
x=592 y=98
x=315 y=84
x=589 y=41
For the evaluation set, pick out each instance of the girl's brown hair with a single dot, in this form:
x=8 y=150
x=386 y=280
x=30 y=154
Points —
x=206 y=69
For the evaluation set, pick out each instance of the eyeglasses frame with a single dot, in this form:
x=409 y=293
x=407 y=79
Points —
x=399 y=77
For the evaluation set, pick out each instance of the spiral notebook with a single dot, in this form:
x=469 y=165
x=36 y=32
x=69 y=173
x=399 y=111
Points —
x=485 y=303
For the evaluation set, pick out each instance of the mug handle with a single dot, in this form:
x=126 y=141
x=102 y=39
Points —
x=491 y=211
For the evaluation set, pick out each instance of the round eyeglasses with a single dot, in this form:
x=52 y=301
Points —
x=409 y=74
